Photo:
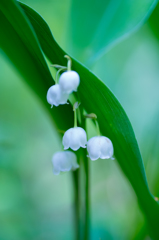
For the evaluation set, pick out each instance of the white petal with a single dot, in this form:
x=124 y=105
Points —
x=61 y=162
x=93 y=148
x=69 y=156
x=74 y=142
x=106 y=148
x=69 y=81
x=73 y=160
x=93 y=155
x=74 y=146
x=66 y=139
x=82 y=136
x=55 y=96
x=100 y=147
x=78 y=138
x=74 y=138
x=63 y=98
x=64 y=161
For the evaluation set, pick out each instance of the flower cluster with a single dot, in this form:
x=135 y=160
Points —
x=69 y=81
x=74 y=138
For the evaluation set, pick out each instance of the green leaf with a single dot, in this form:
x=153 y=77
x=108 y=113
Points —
x=19 y=42
x=97 y=98
x=154 y=21
x=95 y=26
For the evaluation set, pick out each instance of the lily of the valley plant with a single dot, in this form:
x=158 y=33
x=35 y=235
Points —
x=75 y=137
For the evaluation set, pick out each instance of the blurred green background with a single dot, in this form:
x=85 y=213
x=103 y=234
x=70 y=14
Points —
x=35 y=204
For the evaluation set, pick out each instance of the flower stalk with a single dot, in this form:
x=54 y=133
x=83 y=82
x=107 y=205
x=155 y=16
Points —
x=75 y=118
x=57 y=73
x=87 y=182
x=76 y=186
x=75 y=107
x=93 y=116
x=97 y=127
x=69 y=63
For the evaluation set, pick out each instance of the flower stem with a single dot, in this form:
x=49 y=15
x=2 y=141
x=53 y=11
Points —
x=97 y=127
x=69 y=63
x=57 y=66
x=94 y=117
x=87 y=210
x=57 y=73
x=76 y=204
x=75 y=118
x=75 y=107
x=87 y=189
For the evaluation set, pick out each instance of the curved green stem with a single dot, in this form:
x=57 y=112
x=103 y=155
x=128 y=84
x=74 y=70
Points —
x=57 y=66
x=93 y=116
x=69 y=63
x=87 y=203
x=76 y=204
x=75 y=118
x=97 y=127
x=57 y=73
x=75 y=108
x=87 y=188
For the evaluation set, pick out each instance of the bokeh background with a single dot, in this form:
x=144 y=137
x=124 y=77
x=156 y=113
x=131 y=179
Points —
x=35 y=204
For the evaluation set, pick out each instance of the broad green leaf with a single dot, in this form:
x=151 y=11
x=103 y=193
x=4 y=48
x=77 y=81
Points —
x=95 y=26
x=154 y=21
x=96 y=97
x=20 y=43
x=93 y=94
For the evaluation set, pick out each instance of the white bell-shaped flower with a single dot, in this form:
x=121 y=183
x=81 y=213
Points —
x=69 y=81
x=100 y=147
x=55 y=96
x=64 y=162
x=74 y=138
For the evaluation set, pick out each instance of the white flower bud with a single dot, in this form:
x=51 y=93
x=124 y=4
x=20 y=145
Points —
x=55 y=96
x=100 y=147
x=69 y=81
x=64 y=162
x=74 y=138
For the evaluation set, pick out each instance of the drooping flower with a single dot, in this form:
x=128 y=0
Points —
x=64 y=162
x=55 y=96
x=100 y=147
x=74 y=138
x=69 y=81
